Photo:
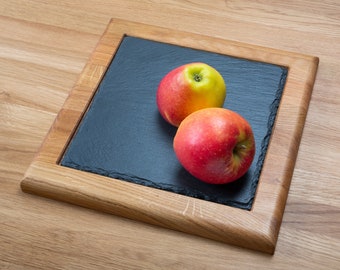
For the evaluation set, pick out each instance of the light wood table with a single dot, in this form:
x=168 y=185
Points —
x=44 y=46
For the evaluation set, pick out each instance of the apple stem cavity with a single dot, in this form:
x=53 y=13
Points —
x=197 y=77
x=239 y=147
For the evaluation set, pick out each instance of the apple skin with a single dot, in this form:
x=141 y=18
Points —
x=188 y=88
x=216 y=145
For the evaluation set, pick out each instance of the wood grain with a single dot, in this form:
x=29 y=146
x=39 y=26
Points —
x=256 y=229
x=44 y=46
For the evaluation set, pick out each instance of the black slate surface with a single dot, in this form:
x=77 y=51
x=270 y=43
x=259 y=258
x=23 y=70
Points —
x=123 y=136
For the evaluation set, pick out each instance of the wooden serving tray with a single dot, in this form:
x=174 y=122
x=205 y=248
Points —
x=256 y=228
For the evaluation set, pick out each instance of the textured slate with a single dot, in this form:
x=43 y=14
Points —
x=123 y=136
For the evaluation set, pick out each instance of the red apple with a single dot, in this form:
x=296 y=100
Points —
x=189 y=88
x=215 y=145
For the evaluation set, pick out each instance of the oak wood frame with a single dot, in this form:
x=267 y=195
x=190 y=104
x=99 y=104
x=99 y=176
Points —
x=256 y=229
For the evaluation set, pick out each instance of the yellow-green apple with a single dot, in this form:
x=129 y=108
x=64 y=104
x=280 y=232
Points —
x=188 y=88
x=216 y=145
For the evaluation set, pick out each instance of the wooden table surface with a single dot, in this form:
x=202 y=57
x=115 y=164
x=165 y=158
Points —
x=43 y=47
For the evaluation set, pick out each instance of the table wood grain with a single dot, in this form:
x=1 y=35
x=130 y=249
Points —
x=44 y=46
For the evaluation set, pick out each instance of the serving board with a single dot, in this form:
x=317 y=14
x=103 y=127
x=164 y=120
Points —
x=59 y=170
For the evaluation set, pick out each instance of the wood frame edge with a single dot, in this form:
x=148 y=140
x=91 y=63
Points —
x=262 y=238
